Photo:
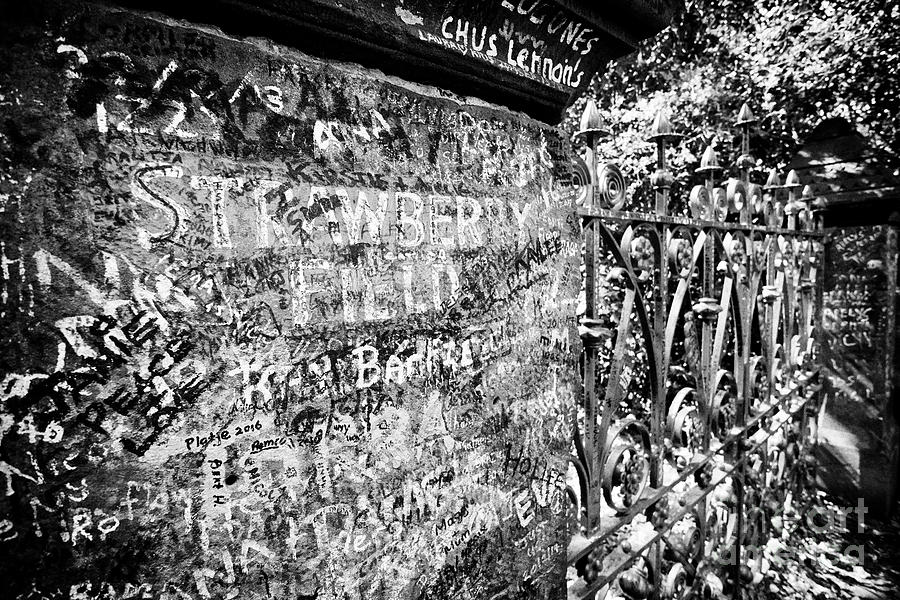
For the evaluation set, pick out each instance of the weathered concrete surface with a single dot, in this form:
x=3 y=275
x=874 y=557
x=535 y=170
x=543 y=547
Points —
x=271 y=326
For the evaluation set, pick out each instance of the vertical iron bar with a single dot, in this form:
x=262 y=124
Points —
x=590 y=369
x=742 y=359
x=591 y=131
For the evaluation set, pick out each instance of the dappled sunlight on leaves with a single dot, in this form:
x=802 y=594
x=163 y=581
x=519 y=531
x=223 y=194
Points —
x=796 y=64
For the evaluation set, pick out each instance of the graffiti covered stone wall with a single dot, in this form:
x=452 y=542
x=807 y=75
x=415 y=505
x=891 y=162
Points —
x=860 y=440
x=273 y=327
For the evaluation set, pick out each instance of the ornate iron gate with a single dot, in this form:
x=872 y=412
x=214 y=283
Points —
x=700 y=378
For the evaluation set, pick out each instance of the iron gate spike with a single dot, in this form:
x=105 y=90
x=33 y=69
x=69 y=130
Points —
x=709 y=162
x=591 y=124
x=745 y=115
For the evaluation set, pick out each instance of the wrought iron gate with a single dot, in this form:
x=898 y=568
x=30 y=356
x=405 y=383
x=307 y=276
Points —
x=700 y=378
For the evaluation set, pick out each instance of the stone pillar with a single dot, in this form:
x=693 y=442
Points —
x=859 y=440
x=288 y=296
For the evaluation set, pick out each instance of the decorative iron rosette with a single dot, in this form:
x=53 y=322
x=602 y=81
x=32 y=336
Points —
x=611 y=187
x=626 y=468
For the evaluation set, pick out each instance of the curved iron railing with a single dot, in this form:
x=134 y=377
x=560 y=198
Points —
x=700 y=375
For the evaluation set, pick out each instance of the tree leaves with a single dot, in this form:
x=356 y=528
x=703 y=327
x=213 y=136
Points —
x=796 y=63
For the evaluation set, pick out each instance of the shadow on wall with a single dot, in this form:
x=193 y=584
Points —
x=848 y=472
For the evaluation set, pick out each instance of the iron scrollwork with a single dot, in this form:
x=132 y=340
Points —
x=699 y=367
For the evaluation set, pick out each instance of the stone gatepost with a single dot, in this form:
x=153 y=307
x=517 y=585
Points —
x=289 y=293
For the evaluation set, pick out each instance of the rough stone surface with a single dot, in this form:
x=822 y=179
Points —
x=858 y=431
x=273 y=327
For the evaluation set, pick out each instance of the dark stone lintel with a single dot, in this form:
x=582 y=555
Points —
x=535 y=56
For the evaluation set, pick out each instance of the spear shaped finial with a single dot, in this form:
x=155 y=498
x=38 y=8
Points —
x=745 y=115
x=774 y=181
x=661 y=124
x=709 y=162
x=661 y=129
x=591 y=122
x=793 y=180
